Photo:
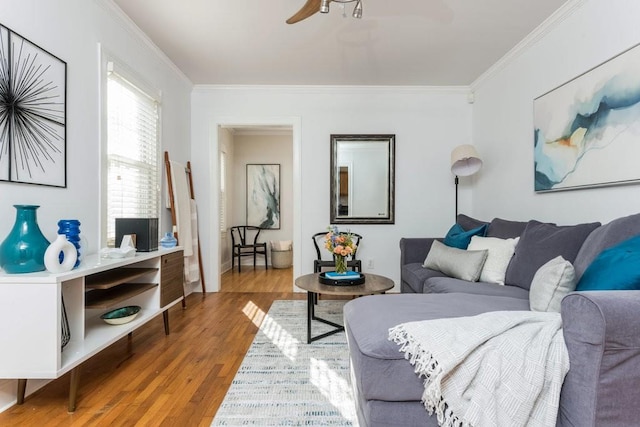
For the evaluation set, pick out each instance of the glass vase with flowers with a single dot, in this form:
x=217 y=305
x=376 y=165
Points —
x=341 y=245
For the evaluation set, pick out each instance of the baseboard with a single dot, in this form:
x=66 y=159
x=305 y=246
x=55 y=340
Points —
x=9 y=389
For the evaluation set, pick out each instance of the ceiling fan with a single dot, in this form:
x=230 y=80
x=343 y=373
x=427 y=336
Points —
x=313 y=6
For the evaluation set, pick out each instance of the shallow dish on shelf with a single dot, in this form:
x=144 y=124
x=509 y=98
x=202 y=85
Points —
x=121 y=315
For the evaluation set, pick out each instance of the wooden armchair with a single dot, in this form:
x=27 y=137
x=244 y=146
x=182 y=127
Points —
x=242 y=244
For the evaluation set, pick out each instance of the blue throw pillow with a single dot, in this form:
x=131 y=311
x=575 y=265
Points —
x=616 y=268
x=458 y=237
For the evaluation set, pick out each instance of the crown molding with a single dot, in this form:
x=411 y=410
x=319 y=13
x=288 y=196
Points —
x=324 y=89
x=118 y=14
x=549 y=24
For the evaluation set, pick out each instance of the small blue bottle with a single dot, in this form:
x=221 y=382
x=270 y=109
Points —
x=71 y=229
x=168 y=241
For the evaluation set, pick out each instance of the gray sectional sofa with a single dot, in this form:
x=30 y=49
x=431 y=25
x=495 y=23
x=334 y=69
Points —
x=601 y=328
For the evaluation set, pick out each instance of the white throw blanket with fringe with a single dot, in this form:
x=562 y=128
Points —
x=502 y=368
x=191 y=263
x=182 y=206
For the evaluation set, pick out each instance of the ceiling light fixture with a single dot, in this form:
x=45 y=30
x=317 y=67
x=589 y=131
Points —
x=357 y=11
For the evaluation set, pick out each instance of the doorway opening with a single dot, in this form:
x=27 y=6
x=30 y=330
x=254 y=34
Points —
x=242 y=146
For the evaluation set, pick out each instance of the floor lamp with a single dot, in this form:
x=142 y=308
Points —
x=465 y=161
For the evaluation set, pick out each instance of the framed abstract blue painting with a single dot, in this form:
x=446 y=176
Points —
x=587 y=131
x=263 y=195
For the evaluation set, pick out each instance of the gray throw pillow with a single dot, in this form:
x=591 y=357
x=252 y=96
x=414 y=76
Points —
x=454 y=262
x=505 y=229
x=541 y=242
x=550 y=284
x=469 y=223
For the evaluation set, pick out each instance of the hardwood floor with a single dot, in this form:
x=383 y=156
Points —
x=257 y=280
x=175 y=380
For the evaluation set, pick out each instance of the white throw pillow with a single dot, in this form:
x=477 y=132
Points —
x=551 y=283
x=454 y=262
x=500 y=253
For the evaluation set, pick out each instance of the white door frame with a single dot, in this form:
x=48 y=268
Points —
x=214 y=244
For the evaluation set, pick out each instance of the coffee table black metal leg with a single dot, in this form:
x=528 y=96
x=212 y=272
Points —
x=310 y=297
x=312 y=316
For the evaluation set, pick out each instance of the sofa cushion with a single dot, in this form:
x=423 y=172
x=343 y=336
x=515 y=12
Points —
x=615 y=268
x=414 y=275
x=458 y=237
x=541 y=242
x=604 y=237
x=454 y=262
x=601 y=333
x=441 y=285
x=505 y=229
x=468 y=223
x=552 y=282
x=500 y=253
x=381 y=371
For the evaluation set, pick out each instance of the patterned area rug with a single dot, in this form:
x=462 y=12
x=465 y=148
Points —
x=285 y=382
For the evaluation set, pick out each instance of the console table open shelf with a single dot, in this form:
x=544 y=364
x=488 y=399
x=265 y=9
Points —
x=31 y=340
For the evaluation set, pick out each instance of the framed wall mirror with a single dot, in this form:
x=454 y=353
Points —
x=362 y=179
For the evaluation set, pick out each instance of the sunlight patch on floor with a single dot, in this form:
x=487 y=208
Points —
x=254 y=313
x=333 y=387
x=287 y=344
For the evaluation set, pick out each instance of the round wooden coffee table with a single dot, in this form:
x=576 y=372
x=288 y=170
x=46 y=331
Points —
x=373 y=284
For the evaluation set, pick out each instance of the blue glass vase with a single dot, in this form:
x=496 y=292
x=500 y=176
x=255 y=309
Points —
x=23 y=249
x=71 y=229
x=168 y=241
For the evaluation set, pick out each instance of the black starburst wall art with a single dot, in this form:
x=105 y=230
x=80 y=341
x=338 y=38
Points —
x=33 y=92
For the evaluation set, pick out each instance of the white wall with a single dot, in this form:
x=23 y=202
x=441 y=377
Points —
x=226 y=145
x=503 y=116
x=268 y=149
x=72 y=30
x=428 y=124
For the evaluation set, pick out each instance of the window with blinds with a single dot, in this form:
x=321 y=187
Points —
x=133 y=171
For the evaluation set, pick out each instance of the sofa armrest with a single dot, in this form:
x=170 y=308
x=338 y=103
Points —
x=415 y=249
x=602 y=334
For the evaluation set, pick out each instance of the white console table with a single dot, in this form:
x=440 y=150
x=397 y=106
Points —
x=31 y=314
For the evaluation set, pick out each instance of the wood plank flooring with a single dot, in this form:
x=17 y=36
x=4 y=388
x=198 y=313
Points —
x=158 y=380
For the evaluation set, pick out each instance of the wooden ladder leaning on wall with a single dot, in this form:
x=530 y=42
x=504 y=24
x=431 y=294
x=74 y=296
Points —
x=167 y=166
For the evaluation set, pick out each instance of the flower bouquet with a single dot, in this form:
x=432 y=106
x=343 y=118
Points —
x=341 y=245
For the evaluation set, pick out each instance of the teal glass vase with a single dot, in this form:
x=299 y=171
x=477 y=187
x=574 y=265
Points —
x=23 y=249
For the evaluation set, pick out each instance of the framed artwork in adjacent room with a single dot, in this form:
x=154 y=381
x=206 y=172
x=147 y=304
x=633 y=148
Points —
x=33 y=102
x=263 y=195
x=587 y=131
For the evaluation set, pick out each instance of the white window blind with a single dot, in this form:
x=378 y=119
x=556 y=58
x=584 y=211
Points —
x=133 y=189
x=223 y=192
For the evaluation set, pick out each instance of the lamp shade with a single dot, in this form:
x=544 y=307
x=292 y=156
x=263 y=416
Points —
x=465 y=160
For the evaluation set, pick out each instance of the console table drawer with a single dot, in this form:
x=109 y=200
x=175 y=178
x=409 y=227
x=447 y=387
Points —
x=171 y=277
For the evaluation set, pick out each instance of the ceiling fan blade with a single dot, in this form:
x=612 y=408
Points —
x=309 y=8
